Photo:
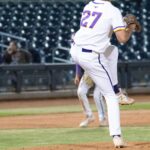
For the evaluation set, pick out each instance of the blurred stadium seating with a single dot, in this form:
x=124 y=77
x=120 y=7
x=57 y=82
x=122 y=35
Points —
x=48 y=25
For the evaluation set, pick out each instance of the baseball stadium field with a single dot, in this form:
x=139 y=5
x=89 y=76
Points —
x=54 y=125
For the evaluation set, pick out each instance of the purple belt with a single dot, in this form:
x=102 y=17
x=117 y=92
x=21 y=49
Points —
x=86 y=50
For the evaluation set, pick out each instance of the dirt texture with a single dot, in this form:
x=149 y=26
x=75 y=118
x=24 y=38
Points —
x=93 y=146
x=70 y=120
x=128 y=118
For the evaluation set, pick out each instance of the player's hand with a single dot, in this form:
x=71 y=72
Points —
x=76 y=80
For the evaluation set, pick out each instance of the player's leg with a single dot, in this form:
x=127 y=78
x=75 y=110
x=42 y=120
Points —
x=112 y=56
x=85 y=84
x=101 y=108
x=99 y=71
x=112 y=103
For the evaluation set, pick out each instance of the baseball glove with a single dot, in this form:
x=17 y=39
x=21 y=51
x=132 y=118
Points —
x=88 y=80
x=131 y=19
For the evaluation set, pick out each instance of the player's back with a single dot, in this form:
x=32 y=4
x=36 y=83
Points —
x=95 y=25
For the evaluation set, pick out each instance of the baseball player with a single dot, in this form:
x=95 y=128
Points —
x=84 y=83
x=99 y=19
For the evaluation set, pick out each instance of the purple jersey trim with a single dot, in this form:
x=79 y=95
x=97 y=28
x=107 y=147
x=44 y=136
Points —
x=97 y=2
x=118 y=27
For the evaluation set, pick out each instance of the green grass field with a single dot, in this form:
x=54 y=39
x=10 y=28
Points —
x=19 y=138
x=41 y=137
x=63 y=109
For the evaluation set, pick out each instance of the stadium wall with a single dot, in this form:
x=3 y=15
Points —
x=57 y=80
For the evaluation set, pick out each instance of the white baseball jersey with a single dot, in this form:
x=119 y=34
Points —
x=99 y=19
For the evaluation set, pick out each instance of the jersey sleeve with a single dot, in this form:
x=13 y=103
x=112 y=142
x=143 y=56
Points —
x=117 y=21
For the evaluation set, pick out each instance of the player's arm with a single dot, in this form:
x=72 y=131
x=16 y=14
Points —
x=124 y=35
x=78 y=75
x=132 y=24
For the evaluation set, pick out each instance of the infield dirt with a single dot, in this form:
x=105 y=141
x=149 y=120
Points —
x=55 y=121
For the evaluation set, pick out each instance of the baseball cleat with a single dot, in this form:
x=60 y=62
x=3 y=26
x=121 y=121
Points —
x=118 y=142
x=87 y=121
x=125 y=100
x=103 y=123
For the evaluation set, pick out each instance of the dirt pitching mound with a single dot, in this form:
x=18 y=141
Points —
x=93 y=146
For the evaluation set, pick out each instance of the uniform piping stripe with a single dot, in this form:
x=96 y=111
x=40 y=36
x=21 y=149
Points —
x=105 y=70
x=118 y=27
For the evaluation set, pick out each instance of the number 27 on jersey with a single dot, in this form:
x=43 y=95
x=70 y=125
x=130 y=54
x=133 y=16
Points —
x=87 y=14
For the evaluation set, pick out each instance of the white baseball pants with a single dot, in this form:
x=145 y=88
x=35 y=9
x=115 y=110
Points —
x=111 y=54
x=97 y=67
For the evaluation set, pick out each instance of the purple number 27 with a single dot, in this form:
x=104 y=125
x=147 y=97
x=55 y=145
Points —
x=86 y=15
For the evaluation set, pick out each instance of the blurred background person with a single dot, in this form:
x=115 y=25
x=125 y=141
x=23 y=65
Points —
x=16 y=55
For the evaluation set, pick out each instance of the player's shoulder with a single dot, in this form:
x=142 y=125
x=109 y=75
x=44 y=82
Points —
x=114 y=8
x=88 y=4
